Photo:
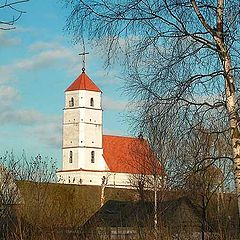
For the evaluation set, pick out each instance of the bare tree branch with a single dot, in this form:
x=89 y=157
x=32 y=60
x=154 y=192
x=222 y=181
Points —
x=13 y=13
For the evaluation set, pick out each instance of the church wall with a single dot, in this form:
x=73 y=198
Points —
x=66 y=156
x=118 y=180
x=69 y=95
x=74 y=134
x=71 y=135
x=99 y=163
x=85 y=99
x=71 y=116
x=81 y=158
x=82 y=98
x=91 y=116
x=91 y=135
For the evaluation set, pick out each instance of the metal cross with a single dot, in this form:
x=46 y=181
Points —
x=83 y=54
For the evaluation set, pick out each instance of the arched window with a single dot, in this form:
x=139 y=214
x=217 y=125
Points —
x=92 y=156
x=71 y=102
x=91 y=102
x=70 y=157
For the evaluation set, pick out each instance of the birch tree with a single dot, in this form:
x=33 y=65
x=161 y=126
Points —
x=181 y=60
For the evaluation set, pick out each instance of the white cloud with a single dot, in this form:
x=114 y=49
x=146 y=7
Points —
x=36 y=32
x=7 y=41
x=45 y=55
x=20 y=117
x=116 y=105
x=44 y=60
x=42 y=46
x=7 y=73
x=9 y=114
x=49 y=133
x=8 y=95
x=40 y=128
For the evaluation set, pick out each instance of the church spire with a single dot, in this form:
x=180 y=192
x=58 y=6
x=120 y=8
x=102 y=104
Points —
x=83 y=54
x=83 y=82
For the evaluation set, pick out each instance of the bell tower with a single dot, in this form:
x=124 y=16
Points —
x=82 y=126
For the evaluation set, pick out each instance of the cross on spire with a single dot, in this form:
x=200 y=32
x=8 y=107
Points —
x=83 y=54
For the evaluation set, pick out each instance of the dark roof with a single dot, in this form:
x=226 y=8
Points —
x=175 y=213
x=128 y=213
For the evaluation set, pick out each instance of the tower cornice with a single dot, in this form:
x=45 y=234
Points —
x=82 y=108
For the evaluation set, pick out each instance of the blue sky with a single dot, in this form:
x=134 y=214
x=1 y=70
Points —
x=38 y=61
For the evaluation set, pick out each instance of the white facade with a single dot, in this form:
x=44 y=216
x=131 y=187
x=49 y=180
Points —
x=82 y=131
x=119 y=180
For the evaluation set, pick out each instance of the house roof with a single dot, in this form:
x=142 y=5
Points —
x=117 y=213
x=129 y=155
x=174 y=213
x=83 y=82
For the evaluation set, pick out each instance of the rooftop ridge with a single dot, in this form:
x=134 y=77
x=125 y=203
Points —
x=109 y=135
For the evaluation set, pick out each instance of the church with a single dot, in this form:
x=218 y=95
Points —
x=88 y=156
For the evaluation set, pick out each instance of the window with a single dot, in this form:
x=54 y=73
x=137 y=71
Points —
x=71 y=102
x=91 y=102
x=92 y=156
x=70 y=157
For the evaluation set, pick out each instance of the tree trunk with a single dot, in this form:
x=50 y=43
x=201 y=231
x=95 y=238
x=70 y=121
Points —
x=230 y=95
x=235 y=139
x=155 y=204
x=233 y=120
x=203 y=218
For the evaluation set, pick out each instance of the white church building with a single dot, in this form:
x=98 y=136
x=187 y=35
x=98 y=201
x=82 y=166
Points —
x=88 y=156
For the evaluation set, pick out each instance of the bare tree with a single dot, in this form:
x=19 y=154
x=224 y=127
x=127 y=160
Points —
x=182 y=57
x=14 y=170
x=10 y=12
x=9 y=196
x=150 y=175
x=37 y=169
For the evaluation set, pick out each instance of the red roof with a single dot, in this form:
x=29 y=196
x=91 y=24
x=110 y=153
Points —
x=129 y=155
x=83 y=82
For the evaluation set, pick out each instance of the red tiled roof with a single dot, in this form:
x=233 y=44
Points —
x=83 y=82
x=129 y=155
